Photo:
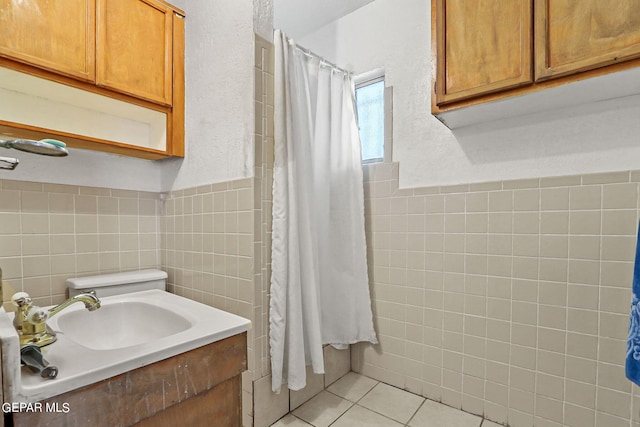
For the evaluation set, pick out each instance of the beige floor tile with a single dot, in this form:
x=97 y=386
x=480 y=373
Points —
x=315 y=384
x=323 y=409
x=433 y=414
x=290 y=421
x=487 y=423
x=358 y=416
x=352 y=386
x=392 y=402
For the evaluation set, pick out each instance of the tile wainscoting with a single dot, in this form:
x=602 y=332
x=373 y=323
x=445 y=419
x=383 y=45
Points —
x=51 y=232
x=506 y=299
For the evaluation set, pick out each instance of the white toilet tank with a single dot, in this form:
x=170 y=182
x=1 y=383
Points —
x=118 y=283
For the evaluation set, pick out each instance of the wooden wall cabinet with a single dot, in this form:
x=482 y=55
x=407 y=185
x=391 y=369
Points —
x=483 y=47
x=134 y=48
x=493 y=49
x=573 y=36
x=55 y=35
x=129 y=50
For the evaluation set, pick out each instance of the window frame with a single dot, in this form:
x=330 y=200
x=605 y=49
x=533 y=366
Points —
x=367 y=79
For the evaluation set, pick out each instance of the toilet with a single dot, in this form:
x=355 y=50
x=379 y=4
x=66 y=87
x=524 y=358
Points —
x=118 y=283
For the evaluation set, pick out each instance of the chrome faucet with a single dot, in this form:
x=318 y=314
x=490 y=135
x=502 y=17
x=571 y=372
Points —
x=31 y=320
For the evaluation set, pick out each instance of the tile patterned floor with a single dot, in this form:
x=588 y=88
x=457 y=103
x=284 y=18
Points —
x=357 y=401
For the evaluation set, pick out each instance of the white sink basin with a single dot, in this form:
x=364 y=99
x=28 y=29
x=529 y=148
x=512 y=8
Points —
x=127 y=332
x=121 y=324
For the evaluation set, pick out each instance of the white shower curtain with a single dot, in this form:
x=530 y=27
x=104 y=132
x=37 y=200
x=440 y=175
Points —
x=319 y=282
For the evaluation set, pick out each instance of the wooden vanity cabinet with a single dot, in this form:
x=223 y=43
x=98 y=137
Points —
x=59 y=36
x=573 y=36
x=135 y=48
x=482 y=47
x=201 y=387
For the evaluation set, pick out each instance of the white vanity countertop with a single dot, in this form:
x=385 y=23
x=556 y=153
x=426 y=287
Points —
x=80 y=366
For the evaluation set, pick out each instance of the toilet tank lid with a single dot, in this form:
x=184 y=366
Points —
x=89 y=282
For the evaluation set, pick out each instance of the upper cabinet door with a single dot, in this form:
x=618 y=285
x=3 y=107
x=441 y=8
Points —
x=134 y=48
x=483 y=46
x=573 y=36
x=57 y=35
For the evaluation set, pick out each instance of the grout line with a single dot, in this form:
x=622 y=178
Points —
x=416 y=412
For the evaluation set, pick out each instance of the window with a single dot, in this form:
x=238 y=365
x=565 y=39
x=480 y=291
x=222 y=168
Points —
x=370 y=112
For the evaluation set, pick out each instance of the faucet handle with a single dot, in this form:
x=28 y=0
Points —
x=21 y=299
x=32 y=313
x=36 y=315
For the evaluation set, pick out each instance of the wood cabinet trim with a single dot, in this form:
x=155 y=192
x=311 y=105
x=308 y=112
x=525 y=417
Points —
x=19 y=130
x=175 y=134
x=538 y=86
x=435 y=61
x=73 y=82
x=175 y=141
x=172 y=7
x=439 y=32
x=541 y=41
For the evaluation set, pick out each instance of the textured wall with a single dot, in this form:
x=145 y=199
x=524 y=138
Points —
x=585 y=139
x=219 y=95
x=263 y=18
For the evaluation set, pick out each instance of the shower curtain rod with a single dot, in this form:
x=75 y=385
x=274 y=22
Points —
x=316 y=56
